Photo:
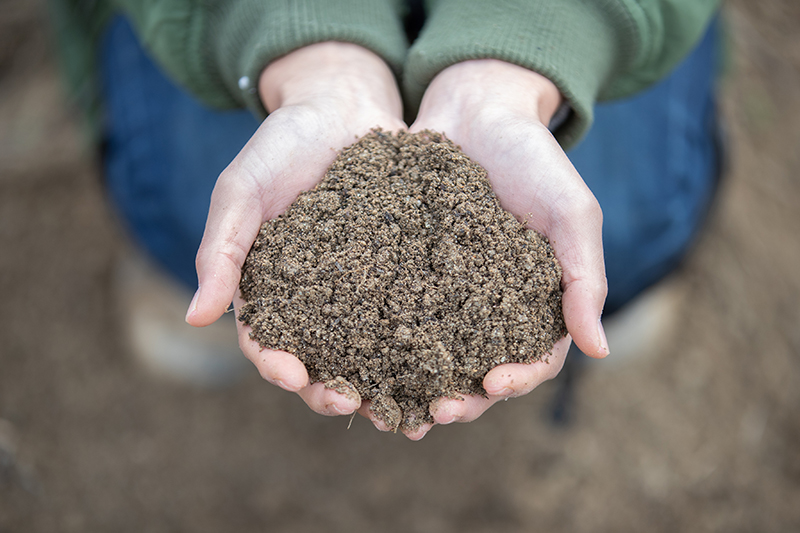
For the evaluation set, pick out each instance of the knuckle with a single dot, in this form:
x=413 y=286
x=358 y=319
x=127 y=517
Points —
x=587 y=207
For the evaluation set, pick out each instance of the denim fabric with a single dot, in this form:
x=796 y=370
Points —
x=163 y=152
x=650 y=160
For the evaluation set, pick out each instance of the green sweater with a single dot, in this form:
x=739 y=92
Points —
x=591 y=49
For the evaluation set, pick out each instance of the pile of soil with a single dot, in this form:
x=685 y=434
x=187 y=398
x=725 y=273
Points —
x=401 y=276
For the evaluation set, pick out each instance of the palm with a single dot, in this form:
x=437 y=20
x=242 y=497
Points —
x=326 y=95
x=322 y=98
x=534 y=180
x=301 y=155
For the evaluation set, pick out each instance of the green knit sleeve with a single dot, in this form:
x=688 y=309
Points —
x=217 y=48
x=591 y=49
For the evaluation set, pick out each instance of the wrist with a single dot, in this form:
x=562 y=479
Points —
x=330 y=70
x=485 y=84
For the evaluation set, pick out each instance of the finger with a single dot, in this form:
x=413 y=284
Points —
x=327 y=401
x=418 y=433
x=574 y=228
x=502 y=382
x=288 y=372
x=582 y=304
x=580 y=253
x=414 y=435
x=516 y=379
x=279 y=368
x=263 y=179
x=366 y=411
x=233 y=222
x=466 y=409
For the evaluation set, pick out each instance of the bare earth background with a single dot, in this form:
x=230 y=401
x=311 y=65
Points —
x=702 y=435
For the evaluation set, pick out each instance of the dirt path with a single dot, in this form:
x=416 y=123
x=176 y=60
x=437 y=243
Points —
x=704 y=435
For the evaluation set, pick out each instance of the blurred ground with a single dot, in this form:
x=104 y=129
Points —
x=702 y=436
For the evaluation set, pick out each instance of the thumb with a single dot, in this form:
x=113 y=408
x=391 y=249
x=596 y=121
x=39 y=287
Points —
x=577 y=242
x=265 y=177
x=582 y=303
x=234 y=218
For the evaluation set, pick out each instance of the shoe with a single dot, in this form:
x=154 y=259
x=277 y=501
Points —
x=641 y=327
x=152 y=309
x=635 y=333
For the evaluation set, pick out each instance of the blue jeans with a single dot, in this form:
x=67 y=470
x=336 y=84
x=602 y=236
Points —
x=653 y=163
x=650 y=160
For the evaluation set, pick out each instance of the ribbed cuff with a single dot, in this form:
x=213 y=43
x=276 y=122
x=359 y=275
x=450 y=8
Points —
x=246 y=36
x=573 y=43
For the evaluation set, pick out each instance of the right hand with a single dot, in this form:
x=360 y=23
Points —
x=498 y=113
x=321 y=98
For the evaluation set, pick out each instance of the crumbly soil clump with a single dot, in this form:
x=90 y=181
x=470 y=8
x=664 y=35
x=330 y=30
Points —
x=401 y=277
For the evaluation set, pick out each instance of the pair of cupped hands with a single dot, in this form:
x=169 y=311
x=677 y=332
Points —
x=322 y=97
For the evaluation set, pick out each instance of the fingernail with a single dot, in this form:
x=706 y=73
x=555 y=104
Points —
x=380 y=425
x=448 y=417
x=603 y=340
x=504 y=392
x=448 y=420
x=341 y=411
x=193 y=305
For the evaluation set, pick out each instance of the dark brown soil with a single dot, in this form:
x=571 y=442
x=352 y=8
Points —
x=401 y=274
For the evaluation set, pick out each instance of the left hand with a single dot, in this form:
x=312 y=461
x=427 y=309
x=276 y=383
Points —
x=321 y=98
x=498 y=114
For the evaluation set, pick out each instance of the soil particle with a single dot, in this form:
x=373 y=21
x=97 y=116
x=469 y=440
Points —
x=343 y=387
x=400 y=275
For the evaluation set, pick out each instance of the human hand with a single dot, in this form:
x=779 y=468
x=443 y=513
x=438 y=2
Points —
x=498 y=114
x=320 y=98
